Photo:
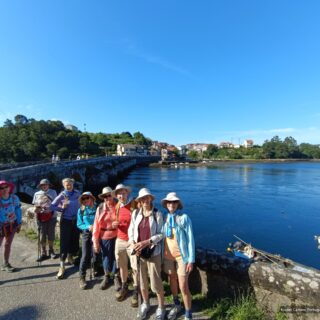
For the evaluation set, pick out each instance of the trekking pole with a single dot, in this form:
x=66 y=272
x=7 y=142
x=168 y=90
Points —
x=39 y=245
x=138 y=282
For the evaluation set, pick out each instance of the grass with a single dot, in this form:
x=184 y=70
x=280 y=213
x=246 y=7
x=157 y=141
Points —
x=243 y=307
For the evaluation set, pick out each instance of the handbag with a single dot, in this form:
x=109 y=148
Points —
x=147 y=252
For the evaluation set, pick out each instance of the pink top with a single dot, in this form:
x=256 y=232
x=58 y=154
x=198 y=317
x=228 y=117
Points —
x=102 y=227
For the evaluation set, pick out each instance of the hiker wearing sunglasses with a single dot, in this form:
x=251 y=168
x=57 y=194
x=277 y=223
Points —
x=85 y=220
x=179 y=253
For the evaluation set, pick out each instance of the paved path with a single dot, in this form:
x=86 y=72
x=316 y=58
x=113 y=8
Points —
x=32 y=292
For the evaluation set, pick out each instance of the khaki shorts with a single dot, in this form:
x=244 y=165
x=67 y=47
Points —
x=174 y=267
x=153 y=267
x=123 y=255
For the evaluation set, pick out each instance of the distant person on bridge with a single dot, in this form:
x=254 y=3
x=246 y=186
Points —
x=124 y=208
x=105 y=235
x=179 y=253
x=10 y=220
x=85 y=220
x=145 y=237
x=46 y=218
x=67 y=203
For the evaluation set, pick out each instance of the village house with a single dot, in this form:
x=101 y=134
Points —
x=225 y=144
x=199 y=147
x=131 y=150
x=248 y=143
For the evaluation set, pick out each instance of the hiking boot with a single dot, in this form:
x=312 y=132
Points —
x=117 y=282
x=60 y=273
x=83 y=283
x=7 y=267
x=134 y=298
x=143 y=310
x=105 y=282
x=121 y=295
x=160 y=314
x=42 y=258
x=174 y=311
x=52 y=254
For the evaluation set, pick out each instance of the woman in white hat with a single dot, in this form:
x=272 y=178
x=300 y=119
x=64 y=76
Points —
x=179 y=253
x=145 y=237
x=85 y=220
x=46 y=218
x=124 y=208
x=105 y=234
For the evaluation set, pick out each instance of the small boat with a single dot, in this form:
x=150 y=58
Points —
x=246 y=251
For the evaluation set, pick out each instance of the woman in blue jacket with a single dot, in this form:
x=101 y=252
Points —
x=179 y=253
x=85 y=220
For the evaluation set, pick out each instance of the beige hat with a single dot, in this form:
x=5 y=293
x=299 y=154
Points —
x=172 y=196
x=87 y=194
x=121 y=186
x=144 y=192
x=105 y=191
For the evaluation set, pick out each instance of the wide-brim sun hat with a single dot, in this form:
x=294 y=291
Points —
x=171 y=196
x=105 y=191
x=121 y=187
x=87 y=194
x=9 y=184
x=43 y=182
x=143 y=193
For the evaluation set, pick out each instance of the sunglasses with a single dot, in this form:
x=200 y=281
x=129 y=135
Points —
x=5 y=187
x=107 y=196
x=174 y=202
x=85 y=198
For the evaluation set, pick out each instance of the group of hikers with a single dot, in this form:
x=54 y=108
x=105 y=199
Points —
x=124 y=230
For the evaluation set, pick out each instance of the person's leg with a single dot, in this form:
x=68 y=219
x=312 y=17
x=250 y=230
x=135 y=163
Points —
x=154 y=270
x=74 y=241
x=106 y=247
x=65 y=236
x=7 y=246
x=43 y=239
x=122 y=262
x=183 y=278
x=170 y=268
x=51 y=236
x=85 y=259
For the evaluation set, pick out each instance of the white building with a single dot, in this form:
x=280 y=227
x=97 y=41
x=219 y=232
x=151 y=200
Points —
x=248 y=143
x=131 y=150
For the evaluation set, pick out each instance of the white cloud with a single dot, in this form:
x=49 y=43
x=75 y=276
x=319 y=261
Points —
x=132 y=50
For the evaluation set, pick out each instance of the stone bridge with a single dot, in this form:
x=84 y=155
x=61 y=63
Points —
x=91 y=174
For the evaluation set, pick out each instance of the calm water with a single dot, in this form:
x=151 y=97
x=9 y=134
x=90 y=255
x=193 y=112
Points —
x=274 y=206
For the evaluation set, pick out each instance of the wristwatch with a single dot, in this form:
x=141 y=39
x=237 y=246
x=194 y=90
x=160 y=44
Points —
x=151 y=242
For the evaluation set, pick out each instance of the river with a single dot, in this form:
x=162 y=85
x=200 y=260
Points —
x=274 y=206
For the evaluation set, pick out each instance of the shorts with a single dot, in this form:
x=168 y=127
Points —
x=153 y=267
x=123 y=255
x=174 y=267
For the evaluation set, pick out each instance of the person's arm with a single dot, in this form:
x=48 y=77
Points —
x=96 y=232
x=56 y=204
x=131 y=227
x=158 y=217
x=191 y=246
x=80 y=223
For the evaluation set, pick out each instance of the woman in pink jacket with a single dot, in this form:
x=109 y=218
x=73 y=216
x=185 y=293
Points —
x=104 y=234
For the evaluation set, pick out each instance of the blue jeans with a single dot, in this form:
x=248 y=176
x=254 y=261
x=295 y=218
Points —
x=108 y=257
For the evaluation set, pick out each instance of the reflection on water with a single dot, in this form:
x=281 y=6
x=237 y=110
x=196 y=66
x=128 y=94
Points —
x=275 y=206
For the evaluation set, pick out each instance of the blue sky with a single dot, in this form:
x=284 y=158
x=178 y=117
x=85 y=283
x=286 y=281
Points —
x=177 y=71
